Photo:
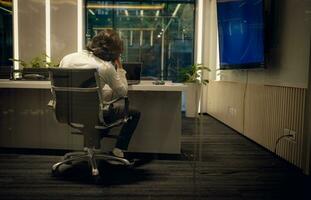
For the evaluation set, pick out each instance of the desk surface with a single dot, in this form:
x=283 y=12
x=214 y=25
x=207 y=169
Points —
x=143 y=86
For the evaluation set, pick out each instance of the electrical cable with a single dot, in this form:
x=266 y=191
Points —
x=278 y=140
x=244 y=99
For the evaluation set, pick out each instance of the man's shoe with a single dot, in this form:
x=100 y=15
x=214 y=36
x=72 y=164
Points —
x=118 y=152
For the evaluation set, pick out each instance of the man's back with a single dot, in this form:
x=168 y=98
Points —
x=82 y=59
x=108 y=75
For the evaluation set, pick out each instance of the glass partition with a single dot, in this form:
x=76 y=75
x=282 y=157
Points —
x=160 y=34
x=6 y=32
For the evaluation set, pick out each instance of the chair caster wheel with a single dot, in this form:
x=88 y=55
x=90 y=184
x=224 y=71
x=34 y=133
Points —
x=55 y=172
x=59 y=169
x=95 y=172
x=65 y=158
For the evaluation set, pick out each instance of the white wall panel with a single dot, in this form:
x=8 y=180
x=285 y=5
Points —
x=63 y=28
x=31 y=28
x=268 y=110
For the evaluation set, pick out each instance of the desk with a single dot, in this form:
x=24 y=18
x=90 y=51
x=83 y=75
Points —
x=26 y=122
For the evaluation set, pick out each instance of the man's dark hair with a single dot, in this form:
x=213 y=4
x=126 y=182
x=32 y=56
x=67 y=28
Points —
x=106 y=45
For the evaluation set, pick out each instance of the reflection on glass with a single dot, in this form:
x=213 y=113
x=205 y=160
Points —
x=6 y=32
x=157 y=33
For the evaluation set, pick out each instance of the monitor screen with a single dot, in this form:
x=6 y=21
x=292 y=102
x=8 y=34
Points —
x=133 y=72
x=241 y=33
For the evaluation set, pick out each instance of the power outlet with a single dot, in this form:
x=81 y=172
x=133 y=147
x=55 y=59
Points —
x=286 y=131
x=291 y=134
x=234 y=112
x=231 y=111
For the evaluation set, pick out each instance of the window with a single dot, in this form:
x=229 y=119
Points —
x=157 y=33
x=6 y=32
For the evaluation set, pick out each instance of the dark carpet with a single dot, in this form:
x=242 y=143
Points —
x=216 y=163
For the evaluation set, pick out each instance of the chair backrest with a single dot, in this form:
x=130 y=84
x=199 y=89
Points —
x=77 y=95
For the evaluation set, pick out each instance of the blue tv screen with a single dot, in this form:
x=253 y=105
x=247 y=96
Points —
x=241 y=33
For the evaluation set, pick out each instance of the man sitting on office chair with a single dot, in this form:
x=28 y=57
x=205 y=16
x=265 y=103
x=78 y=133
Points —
x=103 y=53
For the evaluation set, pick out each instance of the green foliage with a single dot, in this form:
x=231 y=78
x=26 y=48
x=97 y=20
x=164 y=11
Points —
x=36 y=62
x=192 y=74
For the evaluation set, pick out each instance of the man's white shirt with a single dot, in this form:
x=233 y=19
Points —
x=116 y=79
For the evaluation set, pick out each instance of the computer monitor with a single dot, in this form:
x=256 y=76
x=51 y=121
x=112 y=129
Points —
x=241 y=33
x=133 y=72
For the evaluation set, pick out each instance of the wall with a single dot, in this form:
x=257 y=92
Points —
x=261 y=103
x=261 y=113
x=63 y=28
x=288 y=55
x=32 y=28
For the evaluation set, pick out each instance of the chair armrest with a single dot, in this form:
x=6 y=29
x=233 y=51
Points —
x=126 y=104
x=114 y=100
x=106 y=107
x=51 y=104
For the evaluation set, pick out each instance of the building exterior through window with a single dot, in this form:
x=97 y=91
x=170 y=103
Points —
x=159 y=34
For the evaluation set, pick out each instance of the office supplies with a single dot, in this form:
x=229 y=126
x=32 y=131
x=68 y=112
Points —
x=40 y=73
x=158 y=82
x=34 y=76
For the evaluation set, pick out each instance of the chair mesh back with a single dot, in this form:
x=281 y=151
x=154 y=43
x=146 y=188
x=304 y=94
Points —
x=73 y=103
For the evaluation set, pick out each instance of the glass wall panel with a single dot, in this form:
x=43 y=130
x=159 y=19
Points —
x=63 y=28
x=160 y=34
x=6 y=32
x=31 y=29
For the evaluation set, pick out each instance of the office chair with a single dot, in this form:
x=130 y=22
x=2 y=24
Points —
x=78 y=102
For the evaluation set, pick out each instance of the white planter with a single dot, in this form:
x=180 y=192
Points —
x=193 y=95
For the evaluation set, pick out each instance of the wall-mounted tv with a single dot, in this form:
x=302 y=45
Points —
x=241 y=33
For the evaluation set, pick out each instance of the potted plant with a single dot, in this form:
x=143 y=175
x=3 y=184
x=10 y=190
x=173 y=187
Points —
x=36 y=68
x=191 y=76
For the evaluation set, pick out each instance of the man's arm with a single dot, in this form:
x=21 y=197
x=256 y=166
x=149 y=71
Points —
x=116 y=79
x=121 y=72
